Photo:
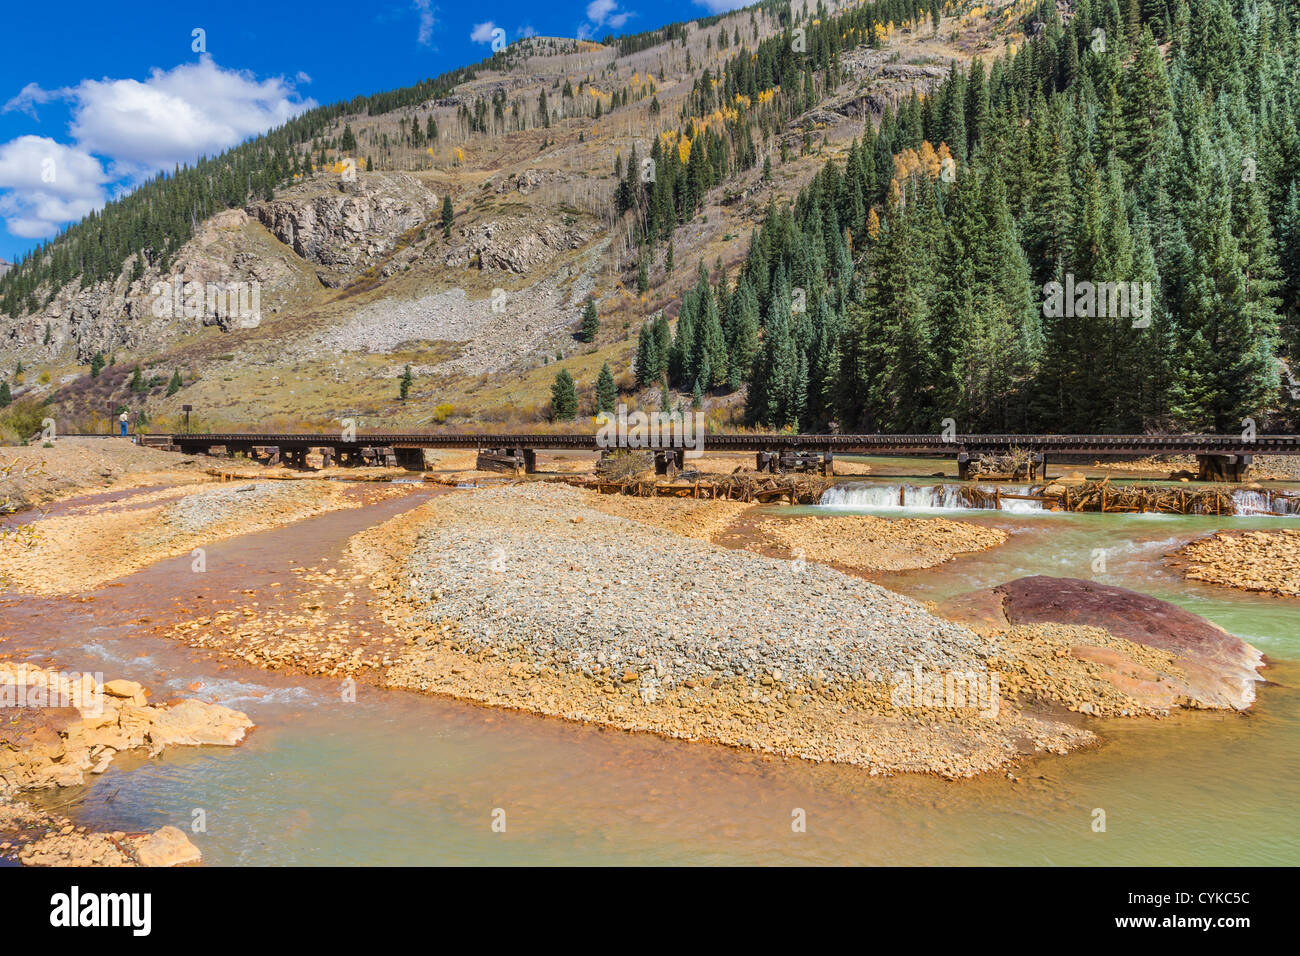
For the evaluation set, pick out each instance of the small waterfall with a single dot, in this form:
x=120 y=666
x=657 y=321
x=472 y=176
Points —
x=874 y=496
x=1263 y=503
x=870 y=496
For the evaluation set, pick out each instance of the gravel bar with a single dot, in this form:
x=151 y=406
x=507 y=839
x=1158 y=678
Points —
x=590 y=590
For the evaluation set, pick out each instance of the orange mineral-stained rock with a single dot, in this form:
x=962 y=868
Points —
x=168 y=847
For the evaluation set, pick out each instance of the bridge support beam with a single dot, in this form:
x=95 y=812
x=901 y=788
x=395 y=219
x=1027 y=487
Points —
x=796 y=459
x=516 y=461
x=503 y=460
x=412 y=459
x=799 y=460
x=670 y=461
x=266 y=454
x=313 y=457
x=963 y=464
x=1223 y=467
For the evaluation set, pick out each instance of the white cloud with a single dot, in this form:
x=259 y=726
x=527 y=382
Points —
x=722 y=6
x=603 y=13
x=45 y=184
x=527 y=31
x=482 y=32
x=176 y=116
x=425 y=9
x=28 y=97
x=598 y=10
x=135 y=128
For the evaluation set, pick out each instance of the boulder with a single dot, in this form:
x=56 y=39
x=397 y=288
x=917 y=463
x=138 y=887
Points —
x=126 y=689
x=193 y=723
x=1220 y=669
x=168 y=847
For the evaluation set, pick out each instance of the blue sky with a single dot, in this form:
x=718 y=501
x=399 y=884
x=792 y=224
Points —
x=95 y=97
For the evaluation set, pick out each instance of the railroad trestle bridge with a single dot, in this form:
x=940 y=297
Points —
x=1223 y=457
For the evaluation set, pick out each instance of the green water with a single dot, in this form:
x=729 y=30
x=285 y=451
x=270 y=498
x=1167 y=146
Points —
x=396 y=778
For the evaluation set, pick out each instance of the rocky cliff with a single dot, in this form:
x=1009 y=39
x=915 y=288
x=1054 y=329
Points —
x=323 y=232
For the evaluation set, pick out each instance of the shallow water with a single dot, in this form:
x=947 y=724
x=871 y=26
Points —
x=398 y=778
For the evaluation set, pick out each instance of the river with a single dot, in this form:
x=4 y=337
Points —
x=396 y=778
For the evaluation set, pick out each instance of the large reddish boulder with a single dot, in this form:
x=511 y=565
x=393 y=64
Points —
x=1221 y=669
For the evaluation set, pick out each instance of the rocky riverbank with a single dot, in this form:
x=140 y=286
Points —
x=60 y=728
x=85 y=547
x=76 y=464
x=1265 y=561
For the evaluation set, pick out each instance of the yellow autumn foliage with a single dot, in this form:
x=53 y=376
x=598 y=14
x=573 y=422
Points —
x=926 y=160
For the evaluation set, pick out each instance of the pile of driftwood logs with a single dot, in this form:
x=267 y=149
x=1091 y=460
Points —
x=1133 y=498
x=1103 y=496
x=1014 y=464
x=799 y=489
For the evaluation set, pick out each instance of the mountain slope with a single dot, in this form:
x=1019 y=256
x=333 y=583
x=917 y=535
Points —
x=845 y=113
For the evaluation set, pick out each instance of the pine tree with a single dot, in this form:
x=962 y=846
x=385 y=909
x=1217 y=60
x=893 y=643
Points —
x=448 y=216
x=710 y=344
x=96 y=364
x=680 y=369
x=6 y=397
x=175 y=384
x=647 y=365
x=1226 y=371
x=404 y=383
x=606 y=390
x=889 y=350
x=590 y=322
x=1147 y=103
x=564 y=397
x=742 y=333
x=1289 y=240
x=663 y=338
